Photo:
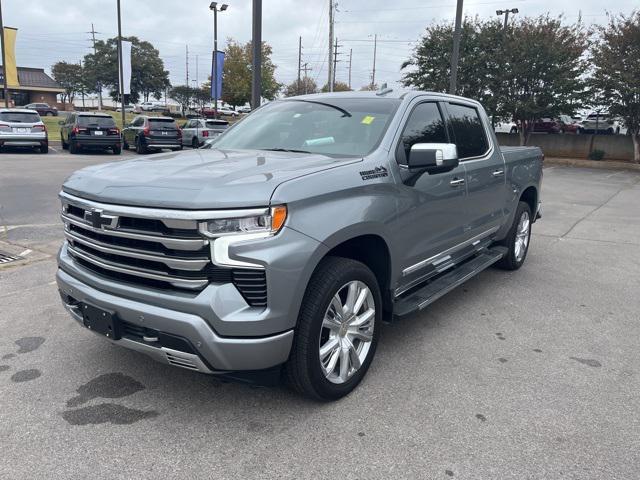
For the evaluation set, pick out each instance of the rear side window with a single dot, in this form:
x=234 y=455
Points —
x=425 y=125
x=162 y=123
x=470 y=135
x=97 y=121
x=19 y=117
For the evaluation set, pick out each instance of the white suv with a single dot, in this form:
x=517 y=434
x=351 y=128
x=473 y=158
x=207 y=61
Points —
x=21 y=127
x=601 y=123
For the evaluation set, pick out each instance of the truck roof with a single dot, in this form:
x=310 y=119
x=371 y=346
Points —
x=399 y=93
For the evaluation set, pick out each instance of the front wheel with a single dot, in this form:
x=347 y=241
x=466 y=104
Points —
x=518 y=238
x=141 y=148
x=337 y=331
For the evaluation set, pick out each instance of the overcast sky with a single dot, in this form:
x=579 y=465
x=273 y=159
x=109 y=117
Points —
x=53 y=30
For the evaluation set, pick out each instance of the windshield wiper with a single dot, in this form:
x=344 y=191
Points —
x=286 y=150
x=342 y=110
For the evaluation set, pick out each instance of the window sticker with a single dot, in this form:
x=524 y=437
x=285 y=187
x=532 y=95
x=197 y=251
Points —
x=368 y=120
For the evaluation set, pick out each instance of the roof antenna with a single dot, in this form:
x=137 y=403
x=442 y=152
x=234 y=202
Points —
x=383 y=90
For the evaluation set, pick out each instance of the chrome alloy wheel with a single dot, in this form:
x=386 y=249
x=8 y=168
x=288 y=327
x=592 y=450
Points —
x=347 y=331
x=522 y=236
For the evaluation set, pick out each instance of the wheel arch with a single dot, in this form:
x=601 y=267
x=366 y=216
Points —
x=530 y=196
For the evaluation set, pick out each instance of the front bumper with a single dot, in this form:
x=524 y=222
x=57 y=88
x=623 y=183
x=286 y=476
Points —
x=214 y=354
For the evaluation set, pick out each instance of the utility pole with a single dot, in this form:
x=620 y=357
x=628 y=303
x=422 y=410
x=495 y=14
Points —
x=95 y=56
x=453 y=80
x=330 y=79
x=375 y=51
x=187 y=64
x=196 y=70
x=506 y=15
x=306 y=84
x=335 y=60
x=81 y=91
x=350 y=58
x=256 y=80
x=4 y=63
x=121 y=73
x=299 y=58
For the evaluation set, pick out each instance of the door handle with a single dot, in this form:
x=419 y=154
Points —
x=456 y=182
x=498 y=173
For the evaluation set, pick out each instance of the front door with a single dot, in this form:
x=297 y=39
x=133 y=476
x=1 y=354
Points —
x=431 y=208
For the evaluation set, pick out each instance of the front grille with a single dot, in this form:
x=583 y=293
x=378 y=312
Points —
x=156 y=253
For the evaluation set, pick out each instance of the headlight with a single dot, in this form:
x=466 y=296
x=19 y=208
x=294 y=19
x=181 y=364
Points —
x=268 y=223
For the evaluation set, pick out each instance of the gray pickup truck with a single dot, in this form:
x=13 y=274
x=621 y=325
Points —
x=282 y=248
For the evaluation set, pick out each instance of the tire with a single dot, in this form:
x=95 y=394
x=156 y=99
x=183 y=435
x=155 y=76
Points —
x=333 y=279
x=141 y=148
x=517 y=240
x=44 y=147
x=125 y=145
x=49 y=114
x=73 y=148
x=195 y=143
x=65 y=145
x=513 y=130
x=116 y=150
x=610 y=131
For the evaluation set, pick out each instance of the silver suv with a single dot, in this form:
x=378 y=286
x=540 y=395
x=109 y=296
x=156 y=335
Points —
x=198 y=130
x=21 y=127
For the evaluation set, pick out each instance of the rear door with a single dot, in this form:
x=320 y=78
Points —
x=485 y=169
x=432 y=208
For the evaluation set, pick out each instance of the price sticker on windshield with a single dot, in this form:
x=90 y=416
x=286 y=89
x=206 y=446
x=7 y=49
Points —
x=368 y=120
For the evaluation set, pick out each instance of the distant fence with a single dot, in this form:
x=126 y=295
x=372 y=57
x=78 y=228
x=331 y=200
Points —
x=615 y=147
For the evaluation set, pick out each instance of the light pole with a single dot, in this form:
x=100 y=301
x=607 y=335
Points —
x=4 y=63
x=506 y=15
x=214 y=78
x=455 y=53
x=121 y=73
x=256 y=43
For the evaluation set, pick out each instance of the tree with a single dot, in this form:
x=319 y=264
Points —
x=337 y=87
x=369 y=87
x=70 y=77
x=616 y=76
x=304 y=86
x=532 y=69
x=148 y=76
x=202 y=96
x=184 y=95
x=236 y=76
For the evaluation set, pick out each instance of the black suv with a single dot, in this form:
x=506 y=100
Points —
x=90 y=130
x=147 y=133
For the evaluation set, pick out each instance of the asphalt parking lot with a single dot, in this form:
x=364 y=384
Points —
x=531 y=374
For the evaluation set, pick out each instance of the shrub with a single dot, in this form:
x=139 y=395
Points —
x=596 y=155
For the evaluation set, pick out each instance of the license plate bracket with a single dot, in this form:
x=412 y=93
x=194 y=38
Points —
x=101 y=321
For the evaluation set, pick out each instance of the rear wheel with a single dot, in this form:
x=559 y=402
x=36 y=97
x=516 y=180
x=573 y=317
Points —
x=141 y=148
x=337 y=331
x=116 y=150
x=44 y=147
x=513 y=130
x=195 y=143
x=517 y=240
x=125 y=145
x=49 y=114
x=73 y=147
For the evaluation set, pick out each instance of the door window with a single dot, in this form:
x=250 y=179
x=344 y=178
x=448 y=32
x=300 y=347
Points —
x=470 y=135
x=425 y=125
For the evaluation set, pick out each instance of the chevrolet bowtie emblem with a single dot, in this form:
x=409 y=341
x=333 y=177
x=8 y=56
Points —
x=98 y=219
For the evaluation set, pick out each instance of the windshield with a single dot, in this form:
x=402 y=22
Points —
x=331 y=126
x=19 y=117
x=97 y=121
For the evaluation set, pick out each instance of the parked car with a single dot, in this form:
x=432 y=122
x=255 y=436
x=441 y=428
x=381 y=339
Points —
x=130 y=108
x=151 y=107
x=506 y=127
x=282 y=250
x=209 y=112
x=43 y=109
x=88 y=130
x=601 y=123
x=198 y=130
x=244 y=109
x=568 y=125
x=146 y=133
x=21 y=127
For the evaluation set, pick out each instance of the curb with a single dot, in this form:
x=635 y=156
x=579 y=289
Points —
x=602 y=164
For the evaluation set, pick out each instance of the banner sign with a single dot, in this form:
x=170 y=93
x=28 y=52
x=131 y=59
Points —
x=11 y=69
x=126 y=68
x=216 y=79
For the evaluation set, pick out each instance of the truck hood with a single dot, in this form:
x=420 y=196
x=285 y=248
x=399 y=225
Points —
x=196 y=179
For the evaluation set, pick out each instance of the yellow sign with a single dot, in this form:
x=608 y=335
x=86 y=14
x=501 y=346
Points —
x=10 y=67
x=368 y=120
